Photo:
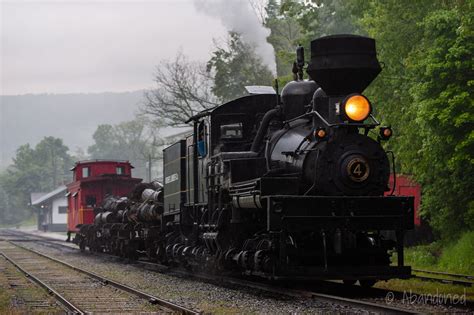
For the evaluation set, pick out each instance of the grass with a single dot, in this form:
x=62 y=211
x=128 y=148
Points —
x=453 y=257
x=426 y=287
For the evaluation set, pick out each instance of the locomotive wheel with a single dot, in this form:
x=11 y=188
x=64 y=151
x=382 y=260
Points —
x=366 y=283
x=82 y=245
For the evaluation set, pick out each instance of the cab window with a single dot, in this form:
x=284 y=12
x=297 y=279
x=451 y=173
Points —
x=231 y=131
x=201 y=139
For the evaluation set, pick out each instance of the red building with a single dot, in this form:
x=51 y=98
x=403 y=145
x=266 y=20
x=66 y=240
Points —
x=92 y=181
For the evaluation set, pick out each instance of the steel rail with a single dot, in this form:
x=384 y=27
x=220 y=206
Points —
x=455 y=275
x=372 y=307
x=444 y=280
x=66 y=304
x=369 y=306
x=151 y=298
x=201 y=276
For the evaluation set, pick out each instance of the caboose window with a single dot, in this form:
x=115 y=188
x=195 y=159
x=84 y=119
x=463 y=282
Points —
x=85 y=172
x=90 y=200
x=231 y=131
x=120 y=170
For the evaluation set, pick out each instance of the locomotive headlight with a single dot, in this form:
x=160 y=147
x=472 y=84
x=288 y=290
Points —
x=357 y=107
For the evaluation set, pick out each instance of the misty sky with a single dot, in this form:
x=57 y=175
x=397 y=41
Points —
x=94 y=46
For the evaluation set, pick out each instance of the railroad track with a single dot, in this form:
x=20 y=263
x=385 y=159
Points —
x=468 y=281
x=287 y=291
x=271 y=288
x=352 y=296
x=23 y=294
x=81 y=291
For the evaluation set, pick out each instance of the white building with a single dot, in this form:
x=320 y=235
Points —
x=52 y=210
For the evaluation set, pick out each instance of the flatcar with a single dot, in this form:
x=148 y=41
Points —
x=92 y=181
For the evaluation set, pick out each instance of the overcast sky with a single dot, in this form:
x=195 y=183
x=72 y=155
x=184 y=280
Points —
x=94 y=46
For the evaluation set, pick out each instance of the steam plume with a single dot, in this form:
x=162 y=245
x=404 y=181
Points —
x=238 y=16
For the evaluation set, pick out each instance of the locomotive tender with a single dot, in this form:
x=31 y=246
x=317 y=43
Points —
x=289 y=188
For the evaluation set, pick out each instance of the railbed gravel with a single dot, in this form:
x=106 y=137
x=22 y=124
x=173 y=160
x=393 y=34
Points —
x=192 y=293
x=210 y=297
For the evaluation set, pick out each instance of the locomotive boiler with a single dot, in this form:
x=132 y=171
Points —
x=288 y=187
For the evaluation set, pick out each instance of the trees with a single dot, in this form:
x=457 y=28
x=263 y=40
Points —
x=42 y=168
x=424 y=92
x=183 y=88
x=135 y=141
x=234 y=66
x=285 y=36
x=441 y=69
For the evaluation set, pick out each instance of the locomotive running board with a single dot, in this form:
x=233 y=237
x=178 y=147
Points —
x=351 y=212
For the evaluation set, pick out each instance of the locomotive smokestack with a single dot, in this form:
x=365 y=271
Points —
x=343 y=64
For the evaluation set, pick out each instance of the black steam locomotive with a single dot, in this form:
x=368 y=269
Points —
x=288 y=187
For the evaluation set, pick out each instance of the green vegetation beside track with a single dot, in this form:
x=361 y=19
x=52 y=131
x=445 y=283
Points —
x=455 y=257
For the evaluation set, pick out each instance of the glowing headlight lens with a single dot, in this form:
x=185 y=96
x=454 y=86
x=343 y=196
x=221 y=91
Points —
x=357 y=108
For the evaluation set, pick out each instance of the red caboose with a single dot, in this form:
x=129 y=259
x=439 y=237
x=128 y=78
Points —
x=92 y=181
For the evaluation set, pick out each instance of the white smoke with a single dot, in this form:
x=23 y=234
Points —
x=238 y=16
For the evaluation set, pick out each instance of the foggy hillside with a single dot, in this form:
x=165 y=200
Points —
x=72 y=117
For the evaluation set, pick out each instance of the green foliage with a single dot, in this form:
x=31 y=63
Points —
x=423 y=256
x=443 y=66
x=459 y=256
x=38 y=169
x=134 y=141
x=285 y=36
x=236 y=66
x=450 y=256
x=424 y=93
x=294 y=23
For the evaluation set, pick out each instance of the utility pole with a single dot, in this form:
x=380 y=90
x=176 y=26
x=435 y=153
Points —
x=149 y=167
x=53 y=164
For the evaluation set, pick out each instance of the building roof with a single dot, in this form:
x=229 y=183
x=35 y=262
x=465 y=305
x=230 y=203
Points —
x=36 y=195
x=52 y=194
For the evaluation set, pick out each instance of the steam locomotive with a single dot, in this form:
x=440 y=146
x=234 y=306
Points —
x=283 y=187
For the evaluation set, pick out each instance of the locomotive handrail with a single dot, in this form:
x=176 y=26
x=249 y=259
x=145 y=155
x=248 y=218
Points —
x=314 y=112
